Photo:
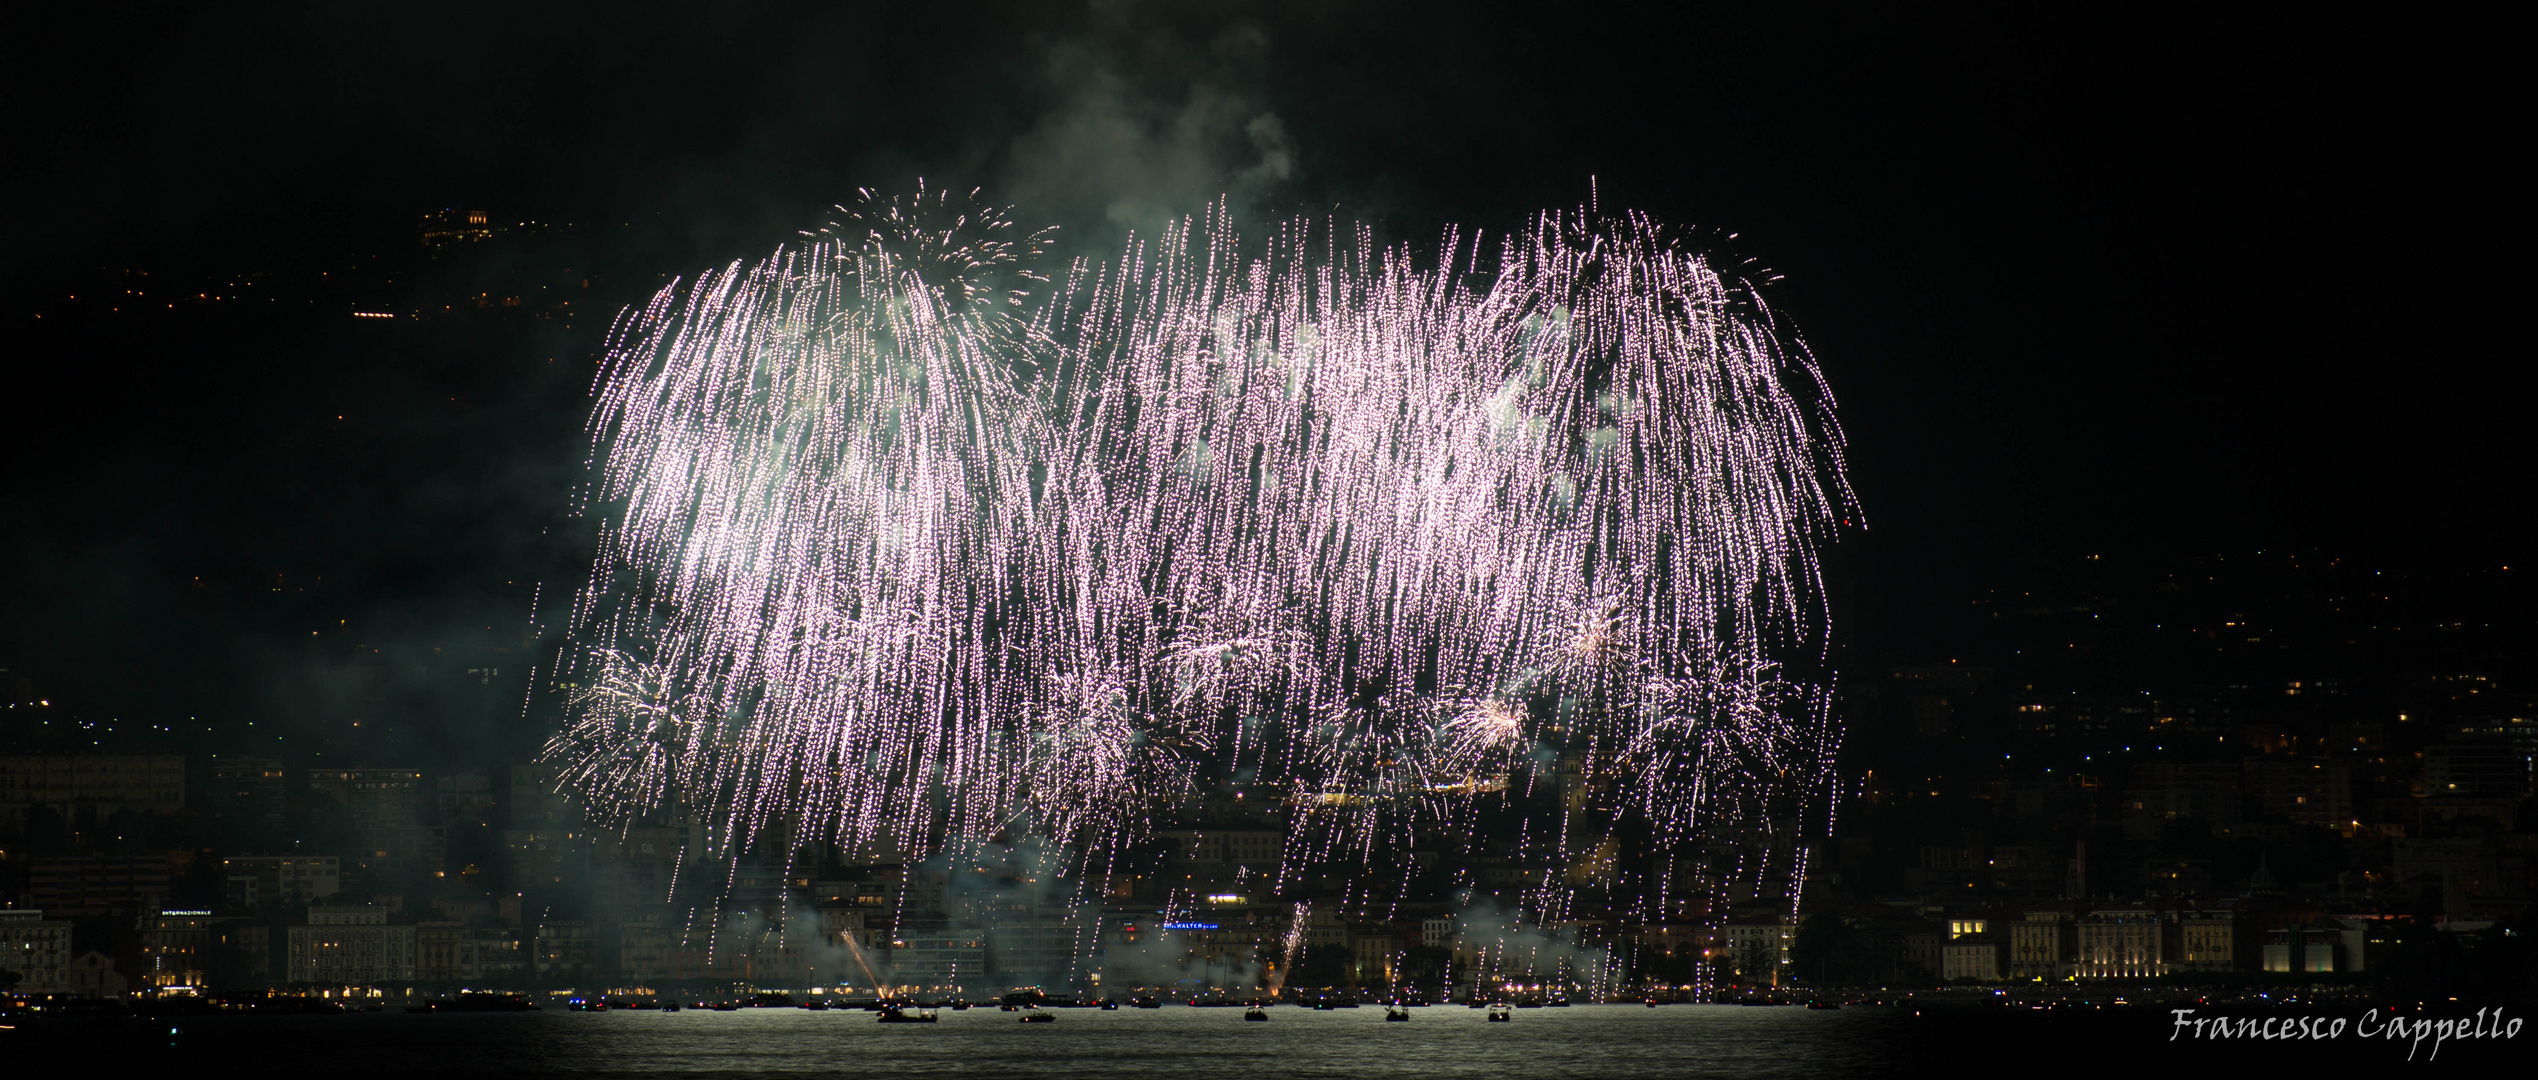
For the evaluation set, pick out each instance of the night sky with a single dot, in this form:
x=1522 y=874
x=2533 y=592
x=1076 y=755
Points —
x=2083 y=281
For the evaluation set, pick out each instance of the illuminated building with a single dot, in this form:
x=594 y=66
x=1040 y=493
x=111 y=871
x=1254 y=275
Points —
x=249 y=790
x=197 y=949
x=371 y=798
x=938 y=961
x=351 y=945
x=37 y=948
x=2043 y=945
x=88 y=788
x=2321 y=947
x=566 y=950
x=1970 y=956
x=2207 y=941
x=90 y=885
x=2122 y=943
x=2473 y=765
x=257 y=880
x=1756 y=950
x=643 y=949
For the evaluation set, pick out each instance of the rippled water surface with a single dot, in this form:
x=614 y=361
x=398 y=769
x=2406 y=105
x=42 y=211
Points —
x=1583 y=1041
x=1607 y=1042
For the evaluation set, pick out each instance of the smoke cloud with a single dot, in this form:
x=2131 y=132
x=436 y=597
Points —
x=1148 y=128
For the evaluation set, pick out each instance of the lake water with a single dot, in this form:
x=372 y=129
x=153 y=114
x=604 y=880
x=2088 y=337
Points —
x=1600 y=1041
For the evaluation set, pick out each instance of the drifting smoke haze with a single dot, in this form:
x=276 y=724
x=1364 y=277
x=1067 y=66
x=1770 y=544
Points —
x=1141 y=139
x=1509 y=949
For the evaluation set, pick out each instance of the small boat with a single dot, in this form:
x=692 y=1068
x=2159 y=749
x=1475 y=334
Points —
x=960 y=1006
x=900 y=1015
x=816 y=1006
x=1824 y=1004
x=669 y=1006
x=1559 y=1003
x=726 y=1006
x=1652 y=1003
x=1037 y=1016
x=1110 y=1006
x=1394 y=1014
x=1146 y=1002
x=1498 y=1014
x=1255 y=1013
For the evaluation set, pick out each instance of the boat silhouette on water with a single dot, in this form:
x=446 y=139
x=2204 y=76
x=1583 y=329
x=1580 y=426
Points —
x=1499 y=1014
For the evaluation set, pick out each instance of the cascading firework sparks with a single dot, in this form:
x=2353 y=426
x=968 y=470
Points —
x=896 y=554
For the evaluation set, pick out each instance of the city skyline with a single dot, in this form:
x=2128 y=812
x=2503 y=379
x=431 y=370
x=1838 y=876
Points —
x=2175 y=640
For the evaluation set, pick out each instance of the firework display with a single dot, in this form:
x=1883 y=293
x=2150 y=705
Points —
x=905 y=543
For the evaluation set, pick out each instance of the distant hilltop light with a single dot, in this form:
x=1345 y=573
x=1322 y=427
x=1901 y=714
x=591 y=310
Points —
x=442 y=228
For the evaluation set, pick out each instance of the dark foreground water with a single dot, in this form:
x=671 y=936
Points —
x=1600 y=1041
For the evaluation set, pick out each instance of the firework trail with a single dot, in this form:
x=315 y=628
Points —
x=899 y=551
